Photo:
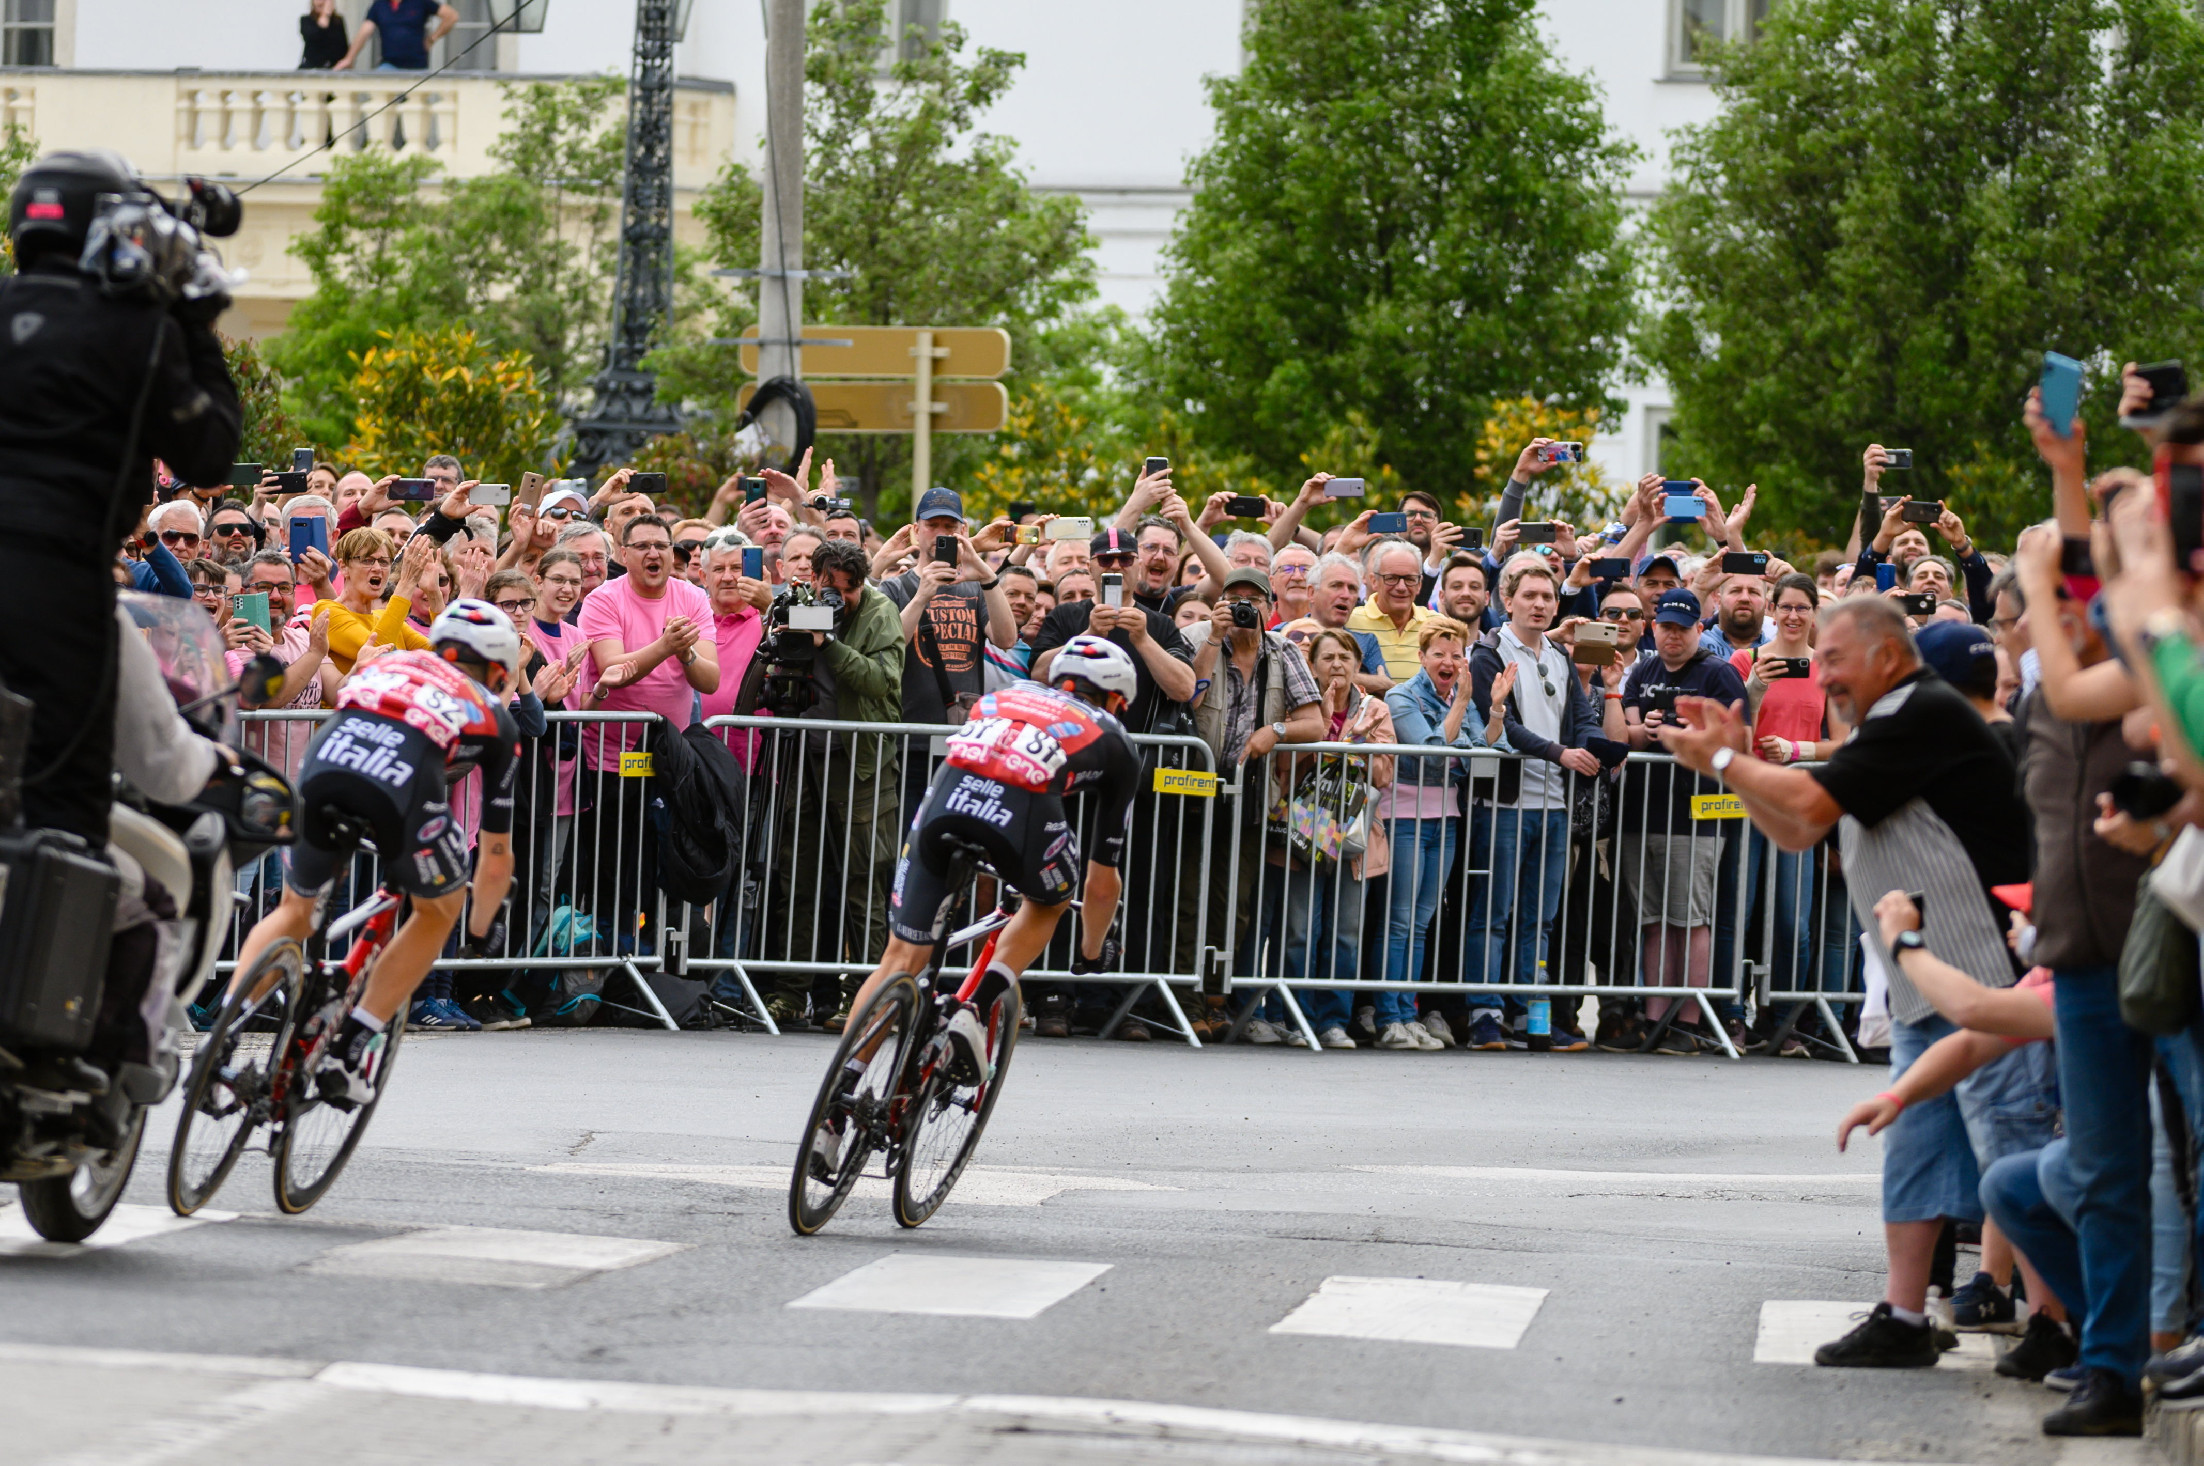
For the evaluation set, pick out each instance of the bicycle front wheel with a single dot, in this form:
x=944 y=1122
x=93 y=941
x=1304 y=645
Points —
x=227 y=1096
x=318 y=1137
x=852 y=1116
x=947 y=1116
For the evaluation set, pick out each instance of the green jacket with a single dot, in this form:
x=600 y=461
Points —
x=866 y=658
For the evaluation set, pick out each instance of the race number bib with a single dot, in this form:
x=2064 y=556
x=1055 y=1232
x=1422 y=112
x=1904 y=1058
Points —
x=1008 y=751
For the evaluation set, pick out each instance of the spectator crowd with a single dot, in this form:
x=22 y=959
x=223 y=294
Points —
x=1525 y=785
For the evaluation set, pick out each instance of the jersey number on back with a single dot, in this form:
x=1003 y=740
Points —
x=1007 y=750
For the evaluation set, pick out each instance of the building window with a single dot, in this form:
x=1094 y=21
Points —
x=1697 y=25
x=473 y=25
x=27 y=33
x=1660 y=440
x=913 y=25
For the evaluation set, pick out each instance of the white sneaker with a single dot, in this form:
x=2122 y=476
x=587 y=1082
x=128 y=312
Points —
x=968 y=1041
x=1261 y=1031
x=1335 y=1037
x=1434 y=1023
x=1292 y=1035
x=1397 y=1036
x=1423 y=1036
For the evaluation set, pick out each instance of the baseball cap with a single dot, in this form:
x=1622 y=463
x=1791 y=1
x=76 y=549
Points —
x=1952 y=648
x=940 y=503
x=1249 y=575
x=1113 y=542
x=571 y=497
x=1675 y=566
x=1677 y=608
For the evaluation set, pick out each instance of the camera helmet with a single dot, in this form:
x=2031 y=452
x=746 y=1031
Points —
x=1099 y=663
x=51 y=210
x=479 y=630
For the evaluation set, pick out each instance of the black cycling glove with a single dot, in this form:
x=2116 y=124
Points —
x=490 y=944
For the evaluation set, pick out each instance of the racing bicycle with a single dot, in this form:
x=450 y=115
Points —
x=236 y=1086
x=896 y=1085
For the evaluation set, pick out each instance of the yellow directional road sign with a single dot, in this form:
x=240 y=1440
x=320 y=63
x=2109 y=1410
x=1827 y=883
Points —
x=885 y=407
x=885 y=351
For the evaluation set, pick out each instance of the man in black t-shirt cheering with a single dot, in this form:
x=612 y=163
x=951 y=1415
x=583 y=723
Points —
x=1923 y=798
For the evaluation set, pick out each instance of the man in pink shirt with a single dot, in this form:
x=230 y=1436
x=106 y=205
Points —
x=651 y=652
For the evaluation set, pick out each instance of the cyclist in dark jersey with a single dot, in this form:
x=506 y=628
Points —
x=1001 y=791
x=407 y=726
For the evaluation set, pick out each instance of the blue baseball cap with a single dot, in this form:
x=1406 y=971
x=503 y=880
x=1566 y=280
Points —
x=940 y=503
x=1677 y=607
x=1954 y=649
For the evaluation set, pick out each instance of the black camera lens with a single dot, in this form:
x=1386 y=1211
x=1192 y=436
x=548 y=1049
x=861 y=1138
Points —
x=213 y=209
x=1246 y=617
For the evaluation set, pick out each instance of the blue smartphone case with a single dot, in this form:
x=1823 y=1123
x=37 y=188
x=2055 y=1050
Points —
x=2062 y=392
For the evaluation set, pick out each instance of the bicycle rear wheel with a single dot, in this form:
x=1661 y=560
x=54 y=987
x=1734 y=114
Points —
x=946 y=1117
x=851 y=1118
x=317 y=1137
x=228 y=1094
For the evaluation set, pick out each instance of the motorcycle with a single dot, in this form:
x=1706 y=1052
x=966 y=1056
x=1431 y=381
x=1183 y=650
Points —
x=73 y=1096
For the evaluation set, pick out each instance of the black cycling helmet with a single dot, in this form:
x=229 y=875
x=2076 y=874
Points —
x=51 y=209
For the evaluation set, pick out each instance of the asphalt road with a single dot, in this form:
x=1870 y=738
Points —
x=1258 y=1255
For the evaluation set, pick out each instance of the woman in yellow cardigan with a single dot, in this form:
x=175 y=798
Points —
x=365 y=557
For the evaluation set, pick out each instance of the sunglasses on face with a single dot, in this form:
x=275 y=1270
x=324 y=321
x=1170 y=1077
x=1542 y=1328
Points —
x=560 y=513
x=1113 y=559
x=178 y=537
x=1619 y=614
x=233 y=529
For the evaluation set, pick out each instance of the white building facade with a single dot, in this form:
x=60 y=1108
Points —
x=1110 y=106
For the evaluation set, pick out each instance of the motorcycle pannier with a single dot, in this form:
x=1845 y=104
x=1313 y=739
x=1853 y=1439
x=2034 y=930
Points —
x=57 y=913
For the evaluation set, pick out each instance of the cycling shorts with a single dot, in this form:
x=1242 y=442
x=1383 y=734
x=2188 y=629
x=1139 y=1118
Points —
x=1026 y=837
x=390 y=778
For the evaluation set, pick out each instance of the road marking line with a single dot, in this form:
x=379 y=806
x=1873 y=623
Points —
x=125 y=1224
x=1792 y=1329
x=188 y=1432
x=490 y=1256
x=1416 y=1311
x=979 y=1186
x=1663 y=1184
x=614 y=1396
x=957 y=1286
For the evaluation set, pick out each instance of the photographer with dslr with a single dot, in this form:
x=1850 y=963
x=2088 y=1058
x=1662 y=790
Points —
x=108 y=358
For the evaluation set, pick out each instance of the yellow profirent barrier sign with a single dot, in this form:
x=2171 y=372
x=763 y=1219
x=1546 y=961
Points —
x=635 y=766
x=1717 y=807
x=1186 y=781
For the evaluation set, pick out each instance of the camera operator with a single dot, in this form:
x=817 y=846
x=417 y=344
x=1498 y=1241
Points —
x=90 y=361
x=838 y=821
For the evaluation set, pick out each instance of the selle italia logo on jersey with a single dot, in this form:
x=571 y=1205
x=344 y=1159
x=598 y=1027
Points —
x=368 y=748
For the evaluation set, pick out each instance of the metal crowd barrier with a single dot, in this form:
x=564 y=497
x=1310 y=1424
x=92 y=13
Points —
x=1249 y=883
x=1503 y=888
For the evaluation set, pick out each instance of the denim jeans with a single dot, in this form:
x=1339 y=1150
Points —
x=1791 y=904
x=1422 y=851
x=1511 y=917
x=2104 y=1076
x=1320 y=936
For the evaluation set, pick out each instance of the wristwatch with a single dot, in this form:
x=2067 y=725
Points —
x=1278 y=732
x=1723 y=758
x=1904 y=942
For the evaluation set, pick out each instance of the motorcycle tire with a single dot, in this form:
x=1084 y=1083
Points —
x=71 y=1208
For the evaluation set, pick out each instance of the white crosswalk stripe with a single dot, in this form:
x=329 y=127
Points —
x=489 y=1256
x=1791 y=1329
x=126 y=1224
x=964 y=1287
x=1416 y=1311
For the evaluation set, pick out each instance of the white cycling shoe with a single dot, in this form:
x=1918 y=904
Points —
x=968 y=1048
x=349 y=1081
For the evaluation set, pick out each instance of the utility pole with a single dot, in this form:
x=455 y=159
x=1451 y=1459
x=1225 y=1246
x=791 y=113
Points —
x=781 y=239
x=625 y=412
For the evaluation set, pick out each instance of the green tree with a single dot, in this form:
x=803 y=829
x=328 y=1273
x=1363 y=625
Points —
x=447 y=390
x=1901 y=206
x=269 y=435
x=931 y=217
x=524 y=255
x=18 y=150
x=1409 y=211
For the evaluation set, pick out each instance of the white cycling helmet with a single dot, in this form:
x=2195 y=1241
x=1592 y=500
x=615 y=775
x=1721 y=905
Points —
x=1100 y=663
x=481 y=631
